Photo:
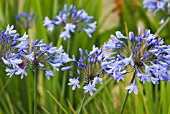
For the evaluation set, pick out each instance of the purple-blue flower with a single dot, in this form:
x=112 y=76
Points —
x=74 y=83
x=19 y=56
x=10 y=45
x=26 y=20
x=43 y=56
x=145 y=55
x=87 y=69
x=158 y=5
x=132 y=88
x=73 y=20
x=89 y=88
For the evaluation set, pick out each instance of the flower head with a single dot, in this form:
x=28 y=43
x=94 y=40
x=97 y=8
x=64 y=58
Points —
x=146 y=55
x=73 y=20
x=41 y=55
x=87 y=70
x=26 y=20
x=10 y=44
x=158 y=5
x=18 y=55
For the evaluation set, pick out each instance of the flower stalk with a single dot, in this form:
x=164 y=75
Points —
x=81 y=106
x=35 y=91
x=127 y=95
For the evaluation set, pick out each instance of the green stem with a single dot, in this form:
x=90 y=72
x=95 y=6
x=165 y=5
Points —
x=169 y=24
x=35 y=92
x=163 y=25
x=68 y=46
x=65 y=73
x=82 y=103
x=127 y=94
x=124 y=103
x=59 y=42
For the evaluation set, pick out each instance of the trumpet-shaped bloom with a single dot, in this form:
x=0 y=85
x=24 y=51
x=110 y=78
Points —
x=18 y=55
x=87 y=70
x=73 y=20
x=74 y=83
x=158 y=5
x=146 y=55
x=41 y=55
x=133 y=88
x=10 y=45
x=26 y=20
x=89 y=88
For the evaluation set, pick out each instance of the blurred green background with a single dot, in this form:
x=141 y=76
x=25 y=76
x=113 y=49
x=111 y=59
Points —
x=16 y=95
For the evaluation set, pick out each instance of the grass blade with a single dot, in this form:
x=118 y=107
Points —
x=59 y=104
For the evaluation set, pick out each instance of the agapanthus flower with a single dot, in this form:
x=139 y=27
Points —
x=10 y=42
x=86 y=71
x=158 y=5
x=146 y=56
x=43 y=56
x=26 y=20
x=72 y=20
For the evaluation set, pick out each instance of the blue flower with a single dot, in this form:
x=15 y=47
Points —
x=26 y=20
x=11 y=72
x=73 y=20
x=11 y=60
x=97 y=80
x=89 y=88
x=11 y=44
x=41 y=55
x=86 y=69
x=49 y=24
x=49 y=74
x=146 y=55
x=66 y=68
x=19 y=56
x=157 y=5
x=22 y=72
x=133 y=88
x=74 y=82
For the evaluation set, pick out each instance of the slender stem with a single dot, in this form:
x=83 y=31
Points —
x=82 y=103
x=163 y=25
x=124 y=103
x=35 y=92
x=127 y=94
x=68 y=45
x=169 y=24
x=65 y=73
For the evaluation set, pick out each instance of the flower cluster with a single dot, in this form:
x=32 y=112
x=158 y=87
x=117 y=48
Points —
x=145 y=55
x=26 y=20
x=158 y=5
x=40 y=55
x=88 y=69
x=9 y=45
x=72 y=19
x=18 y=55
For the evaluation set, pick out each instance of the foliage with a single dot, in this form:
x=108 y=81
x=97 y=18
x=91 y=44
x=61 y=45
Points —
x=54 y=96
